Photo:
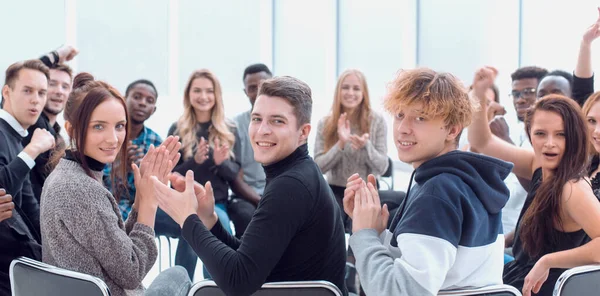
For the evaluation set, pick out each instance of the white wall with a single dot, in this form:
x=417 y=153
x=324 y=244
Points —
x=314 y=40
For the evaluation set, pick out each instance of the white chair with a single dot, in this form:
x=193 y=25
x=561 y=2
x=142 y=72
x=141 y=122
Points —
x=30 y=277
x=580 y=281
x=495 y=290
x=303 y=288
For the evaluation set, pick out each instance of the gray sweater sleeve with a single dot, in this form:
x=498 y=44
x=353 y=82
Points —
x=376 y=148
x=379 y=272
x=125 y=257
x=326 y=160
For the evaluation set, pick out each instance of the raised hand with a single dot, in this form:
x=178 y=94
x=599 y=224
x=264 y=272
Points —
x=204 y=196
x=593 y=31
x=358 y=142
x=156 y=164
x=202 y=151
x=343 y=129
x=220 y=152
x=66 y=53
x=172 y=145
x=41 y=141
x=6 y=205
x=368 y=212
x=483 y=79
x=353 y=185
x=177 y=204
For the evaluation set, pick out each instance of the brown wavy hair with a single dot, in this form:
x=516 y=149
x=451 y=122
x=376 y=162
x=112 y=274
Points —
x=539 y=222
x=87 y=94
x=361 y=117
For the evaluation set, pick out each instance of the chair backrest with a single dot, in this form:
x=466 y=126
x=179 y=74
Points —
x=304 y=288
x=495 y=290
x=31 y=277
x=582 y=280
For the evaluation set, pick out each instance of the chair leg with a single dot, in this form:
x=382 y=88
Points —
x=159 y=254
x=170 y=257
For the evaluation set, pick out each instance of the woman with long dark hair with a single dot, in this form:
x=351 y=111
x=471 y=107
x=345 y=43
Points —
x=82 y=228
x=559 y=226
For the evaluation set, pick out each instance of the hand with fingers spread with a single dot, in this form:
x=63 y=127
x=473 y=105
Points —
x=343 y=130
x=172 y=145
x=368 y=212
x=359 y=142
x=202 y=151
x=220 y=152
x=536 y=277
x=593 y=32
x=156 y=164
x=353 y=185
x=6 y=205
x=204 y=197
x=178 y=204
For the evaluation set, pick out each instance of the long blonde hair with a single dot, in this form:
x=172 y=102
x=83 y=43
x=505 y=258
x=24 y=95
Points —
x=361 y=117
x=187 y=125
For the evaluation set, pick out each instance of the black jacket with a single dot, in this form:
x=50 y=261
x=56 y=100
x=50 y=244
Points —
x=19 y=235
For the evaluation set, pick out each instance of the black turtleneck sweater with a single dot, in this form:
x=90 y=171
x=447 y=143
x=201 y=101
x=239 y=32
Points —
x=296 y=233
x=219 y=175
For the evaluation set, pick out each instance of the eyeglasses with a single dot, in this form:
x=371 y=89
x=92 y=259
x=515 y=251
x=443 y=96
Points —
x=525 y=93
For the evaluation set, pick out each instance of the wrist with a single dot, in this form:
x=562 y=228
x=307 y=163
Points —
x=31 y=151
x=210 y=221
x=545 y=261
x=585 y=43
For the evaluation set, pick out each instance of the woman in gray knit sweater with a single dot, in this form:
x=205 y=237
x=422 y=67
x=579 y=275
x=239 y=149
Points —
x=352 y=138
x=82 y=228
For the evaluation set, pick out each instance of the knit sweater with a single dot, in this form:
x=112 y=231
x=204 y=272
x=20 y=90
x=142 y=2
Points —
x=82 y=230
x=339 y=164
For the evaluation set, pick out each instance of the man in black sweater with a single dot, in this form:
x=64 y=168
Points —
x=296 y=233
x=24 y=96
x=59 y=88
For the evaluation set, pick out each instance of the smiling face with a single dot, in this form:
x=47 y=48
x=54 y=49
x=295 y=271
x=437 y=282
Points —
x=419 y=138
x=593 y=123
x=202 y=95
x=106 y=131
x=59 y=88
x=548 y=139
x=351 y=93
x=274 y=130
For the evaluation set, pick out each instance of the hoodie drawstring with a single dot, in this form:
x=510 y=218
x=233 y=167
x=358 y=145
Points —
x=400 y=211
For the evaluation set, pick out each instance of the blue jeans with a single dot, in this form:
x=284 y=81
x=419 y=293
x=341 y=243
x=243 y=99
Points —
x=173 y=281
x=221 y=210
x=185 y=255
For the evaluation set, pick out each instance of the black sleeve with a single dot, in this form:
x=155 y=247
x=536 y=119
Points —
x=12 y=173
x=281 y=213
x=30 y=205
x=50 y=59
x=582 y=89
